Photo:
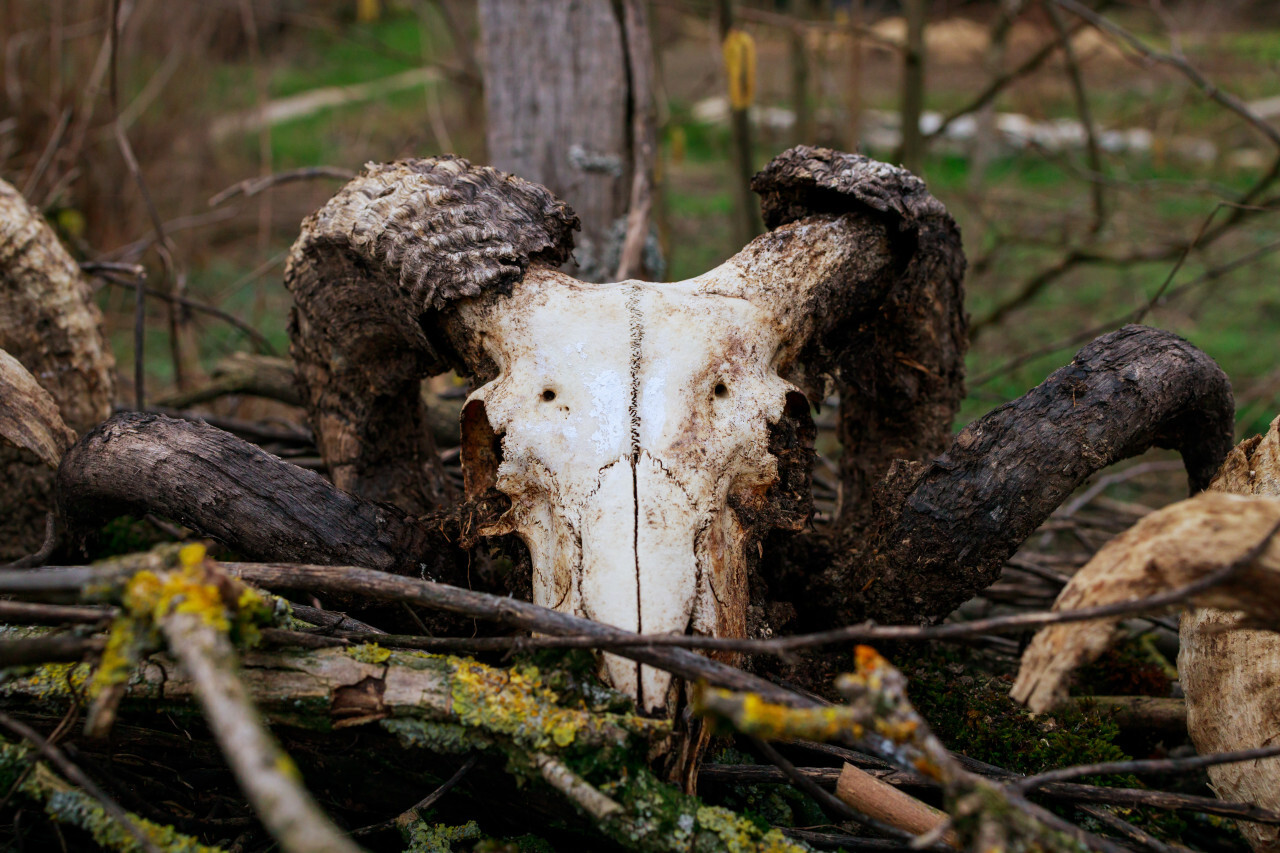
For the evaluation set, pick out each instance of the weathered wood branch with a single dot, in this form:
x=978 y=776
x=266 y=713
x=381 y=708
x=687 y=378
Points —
x=29 y=417
x=944 y=529
x=241 y=373
x=237 y=493
x=266 y=774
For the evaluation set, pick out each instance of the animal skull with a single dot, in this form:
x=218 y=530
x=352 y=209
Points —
x=632 y=417
x=631 y=424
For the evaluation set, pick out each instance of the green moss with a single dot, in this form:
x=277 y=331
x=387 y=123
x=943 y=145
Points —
x=438 y=838
x=777 y=803
x=71 y=806
x=444 y=738
x=1126 y=669
x=971 y=712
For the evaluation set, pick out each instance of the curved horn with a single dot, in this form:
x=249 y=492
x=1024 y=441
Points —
x=865 y=269
x=373 y=276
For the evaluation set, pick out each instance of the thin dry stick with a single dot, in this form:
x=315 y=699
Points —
x=664 y=651
x=253 y=334
x=77 y=777
x=751 y=774
x=46 y=156
x=411 y=814
x=1133 y=833
x=827 y=800
x=640 y=68
x=55 y=648
x=250 y=187
x=1153 y=765
x=266 y=774
x=999 y=84
x=1133 y=316
x=164 y=245
x=1204 y=84
x=1092 y=150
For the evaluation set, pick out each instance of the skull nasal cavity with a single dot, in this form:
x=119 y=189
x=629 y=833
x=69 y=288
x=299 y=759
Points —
x=481 y=450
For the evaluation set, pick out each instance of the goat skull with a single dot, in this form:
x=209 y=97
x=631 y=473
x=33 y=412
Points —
x=629 y=423
x=629 y=413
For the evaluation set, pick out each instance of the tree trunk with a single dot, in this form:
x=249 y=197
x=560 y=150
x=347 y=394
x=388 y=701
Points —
x=746 y=219
x=49 y=323
x=561 y=105
x=916 y=12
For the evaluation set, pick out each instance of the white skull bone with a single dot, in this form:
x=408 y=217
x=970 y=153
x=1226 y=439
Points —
x=628 y=414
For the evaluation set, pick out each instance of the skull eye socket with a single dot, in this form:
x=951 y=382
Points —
x=548 y=395
x=721 y=390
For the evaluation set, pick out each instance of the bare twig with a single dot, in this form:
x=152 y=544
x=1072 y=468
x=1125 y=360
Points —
x=266 y=774
x=1002 y=82
x=1178 y=63
x=640 y=73
x=52 y=538
x=139 y=274
x=411 y=814
x=1092 y=150
x=1070 y=792
x=55 y=648
x=829 y=802
x=1152 y=765
x=665 y=651
x=77 y=777
x=1080 y=337
x=251 y=187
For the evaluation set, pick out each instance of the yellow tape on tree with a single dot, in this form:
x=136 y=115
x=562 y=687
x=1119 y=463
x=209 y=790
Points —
x=740 y=67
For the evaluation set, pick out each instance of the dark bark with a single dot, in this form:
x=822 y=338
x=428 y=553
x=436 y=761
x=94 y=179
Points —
x=943 y=530
x=371 y=298
x=263 y=507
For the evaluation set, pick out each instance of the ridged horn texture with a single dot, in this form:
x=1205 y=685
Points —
x=887 y=328
x=373 y=275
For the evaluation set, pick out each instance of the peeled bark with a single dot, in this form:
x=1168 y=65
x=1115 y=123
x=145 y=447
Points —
x=1231 y=674
x=49 y=323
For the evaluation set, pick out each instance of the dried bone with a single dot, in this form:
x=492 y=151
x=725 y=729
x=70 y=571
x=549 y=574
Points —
x=632 y=418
